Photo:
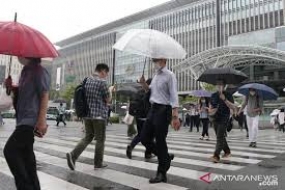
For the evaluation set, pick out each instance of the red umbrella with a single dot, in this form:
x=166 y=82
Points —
x=20 y=40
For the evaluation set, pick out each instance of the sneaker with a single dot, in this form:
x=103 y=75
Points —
x=100 y=166
x=70 y=161
x=227 y=155
x=215 y=159
x=201 y=138
x=250 y=144
x=208 y=138
x=254 y=144
x=129 y=152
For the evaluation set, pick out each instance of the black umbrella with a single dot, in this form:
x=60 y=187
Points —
x=228 y=75
x=129 y=89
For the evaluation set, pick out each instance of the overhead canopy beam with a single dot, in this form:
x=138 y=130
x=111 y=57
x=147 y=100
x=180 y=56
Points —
x=230 y=56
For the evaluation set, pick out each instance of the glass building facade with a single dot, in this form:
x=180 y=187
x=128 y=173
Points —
x=197 y=25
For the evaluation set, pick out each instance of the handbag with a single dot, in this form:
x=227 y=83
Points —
x=128 y=119
x=229 y=125
x=6 y=101
x=212 y=114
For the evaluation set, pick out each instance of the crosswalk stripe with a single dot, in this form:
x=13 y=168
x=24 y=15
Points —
x=241 y=140
x=196 y=154
x=208 y=144
x=122 y=178
x=140 y=154
x=176 y=171
x=183 y=137
x=47 y=181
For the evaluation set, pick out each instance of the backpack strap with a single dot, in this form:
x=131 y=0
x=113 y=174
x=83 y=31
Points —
x=84 y=81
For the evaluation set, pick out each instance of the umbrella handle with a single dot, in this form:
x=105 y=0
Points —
x=8 y=90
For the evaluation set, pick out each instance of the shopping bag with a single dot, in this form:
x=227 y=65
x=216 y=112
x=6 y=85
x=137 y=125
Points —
x=6 y=101
x=128 y=119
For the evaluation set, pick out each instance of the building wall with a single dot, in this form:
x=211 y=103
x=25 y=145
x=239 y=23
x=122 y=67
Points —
x=193 y=25
x=78 y=61
x=16 y=67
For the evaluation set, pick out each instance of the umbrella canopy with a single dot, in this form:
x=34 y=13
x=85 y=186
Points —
x=228 y=75
x=237 y=94
x=201 y=93
x=129 y=89
x=266 y=92
x=20 y=40
x=275 y=112
x=150 y=43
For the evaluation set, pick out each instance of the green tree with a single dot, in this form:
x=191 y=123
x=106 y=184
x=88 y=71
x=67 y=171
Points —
x=53 y=94
x=208 y=87
x=68 y=93
x=186 y=99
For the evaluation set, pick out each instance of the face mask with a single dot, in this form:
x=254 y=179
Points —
x=203 y=101
x=157 y=66
x=252 y=93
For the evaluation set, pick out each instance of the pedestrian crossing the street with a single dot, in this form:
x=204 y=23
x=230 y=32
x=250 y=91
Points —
x=191 y=161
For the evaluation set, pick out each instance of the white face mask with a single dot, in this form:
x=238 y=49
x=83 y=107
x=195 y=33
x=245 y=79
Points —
x=203 y=101
x=157 y=66
x=252 y=93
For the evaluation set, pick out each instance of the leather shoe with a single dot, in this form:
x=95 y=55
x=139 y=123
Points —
x=158 y=179
x=129 y=152
x=171 y=156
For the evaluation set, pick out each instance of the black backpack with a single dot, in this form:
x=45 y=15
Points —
x=139 y=104
x=80 y=100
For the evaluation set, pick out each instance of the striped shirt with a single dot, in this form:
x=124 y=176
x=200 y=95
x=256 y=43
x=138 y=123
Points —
x=164 y=88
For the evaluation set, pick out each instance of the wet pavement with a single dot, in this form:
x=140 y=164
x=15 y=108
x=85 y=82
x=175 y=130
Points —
x=261 y=168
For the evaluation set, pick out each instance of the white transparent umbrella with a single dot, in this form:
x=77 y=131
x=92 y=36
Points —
x=237 y=94
x=150 y=43
x=275 y=112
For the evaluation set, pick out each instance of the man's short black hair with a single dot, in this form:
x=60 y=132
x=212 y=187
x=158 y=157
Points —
x=102 y=67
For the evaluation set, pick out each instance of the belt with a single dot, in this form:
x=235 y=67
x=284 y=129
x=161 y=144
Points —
x=155 y=105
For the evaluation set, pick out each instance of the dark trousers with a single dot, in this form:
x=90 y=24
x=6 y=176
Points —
x=245 y=123
x=60 y=119
x=21 y=160
x=221 y=144
x=195 y=121
x=156 y=126
x=137 y=138
x=205 y=123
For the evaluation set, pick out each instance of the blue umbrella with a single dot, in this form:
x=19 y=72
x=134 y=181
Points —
x=266 y=92
x=201 y=93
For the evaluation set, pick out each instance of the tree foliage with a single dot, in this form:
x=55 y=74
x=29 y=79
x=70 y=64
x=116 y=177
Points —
x=186 y=99
x=68 y=93
x=208 y=87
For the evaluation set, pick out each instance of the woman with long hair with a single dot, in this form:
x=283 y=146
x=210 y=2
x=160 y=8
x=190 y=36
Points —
x=203 y=109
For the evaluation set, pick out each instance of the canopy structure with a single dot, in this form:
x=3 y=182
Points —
x=231 y=56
